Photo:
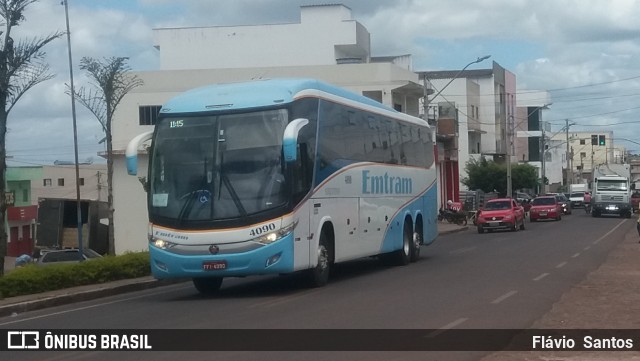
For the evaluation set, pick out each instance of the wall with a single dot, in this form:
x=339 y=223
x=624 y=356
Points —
x=94 y=188
x=325 y=33
x=131 y=217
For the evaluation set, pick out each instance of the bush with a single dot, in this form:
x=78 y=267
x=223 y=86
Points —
x=36 y=279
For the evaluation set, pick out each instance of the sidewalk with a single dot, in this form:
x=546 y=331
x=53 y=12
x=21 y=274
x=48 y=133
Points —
x=608 y=298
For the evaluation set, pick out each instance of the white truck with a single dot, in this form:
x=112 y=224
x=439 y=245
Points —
x=576 y=194
x=611 y=193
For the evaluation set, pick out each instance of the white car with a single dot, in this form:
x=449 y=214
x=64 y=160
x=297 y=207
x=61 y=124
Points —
x=576 y=199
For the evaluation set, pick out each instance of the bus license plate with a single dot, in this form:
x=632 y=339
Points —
x=214 y=265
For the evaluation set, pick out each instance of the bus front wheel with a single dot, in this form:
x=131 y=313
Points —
x=208 y=285
x=320 y=274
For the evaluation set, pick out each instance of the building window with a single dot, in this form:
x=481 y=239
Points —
x=46 y=182
x=148 y=114
x=60 y=182
x=583 y=154
x=583 y=141
x=81 y=181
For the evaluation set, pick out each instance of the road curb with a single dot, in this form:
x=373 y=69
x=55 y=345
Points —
x=455 y=230
x=63 y=297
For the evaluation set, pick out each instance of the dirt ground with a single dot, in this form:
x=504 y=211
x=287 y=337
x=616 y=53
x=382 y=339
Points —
x=609 y=298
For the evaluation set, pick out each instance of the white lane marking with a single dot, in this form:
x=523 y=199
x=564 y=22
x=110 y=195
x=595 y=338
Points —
x=91 y=306
x=561 y=265
x=541 y=277
x=576 y=255
x=447 y=327
x=503 y=297
x=608 y=233
x=587 y=248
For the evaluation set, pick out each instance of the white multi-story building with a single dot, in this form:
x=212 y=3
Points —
x=533 y=134
x=483 y=105
x=327 y=44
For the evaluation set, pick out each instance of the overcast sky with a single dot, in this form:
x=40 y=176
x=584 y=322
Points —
x=585 y=52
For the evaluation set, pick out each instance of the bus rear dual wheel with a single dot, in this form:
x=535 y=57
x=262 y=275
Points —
x=410 y=251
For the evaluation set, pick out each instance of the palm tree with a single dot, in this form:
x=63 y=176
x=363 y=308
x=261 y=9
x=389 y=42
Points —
x=112 y=82
x=21 y=68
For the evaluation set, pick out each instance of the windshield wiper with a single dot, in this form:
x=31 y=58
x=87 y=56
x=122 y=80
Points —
x=225 y=180
x=195 y=194
x=234 y=195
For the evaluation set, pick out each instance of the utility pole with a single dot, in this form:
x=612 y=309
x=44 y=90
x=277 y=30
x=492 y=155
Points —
x=75 y=139
x=510 y=149
x=543 y=151
x=592 y=163
x=99 y=186
x=569 y=155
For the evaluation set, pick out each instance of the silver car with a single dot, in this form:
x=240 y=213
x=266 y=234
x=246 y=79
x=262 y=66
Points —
x=70 y=255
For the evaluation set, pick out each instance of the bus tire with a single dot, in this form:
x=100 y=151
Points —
x=403 y=255
x=207 y=285
x=415 y=247
x=320 y=273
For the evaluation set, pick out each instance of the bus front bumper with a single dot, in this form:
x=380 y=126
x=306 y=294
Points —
x=274 y=258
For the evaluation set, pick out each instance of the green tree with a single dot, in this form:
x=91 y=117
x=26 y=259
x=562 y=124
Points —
x=524 y=176
x=21 y=68
x=112 y=81
x=489 y=176
x=486 y=175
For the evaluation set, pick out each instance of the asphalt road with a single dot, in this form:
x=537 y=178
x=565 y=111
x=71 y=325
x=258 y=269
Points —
x=465 y=280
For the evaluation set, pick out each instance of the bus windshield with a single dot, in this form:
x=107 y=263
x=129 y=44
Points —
x=217 y=167
x=612 y=185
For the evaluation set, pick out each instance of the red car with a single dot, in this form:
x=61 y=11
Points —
x=500 y=213
x=545 y=207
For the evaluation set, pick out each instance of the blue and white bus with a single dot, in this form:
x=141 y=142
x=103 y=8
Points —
x=284 y=175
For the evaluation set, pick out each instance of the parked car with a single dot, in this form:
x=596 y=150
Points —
x=70 y=255
x=545 y=207
x=500 y=213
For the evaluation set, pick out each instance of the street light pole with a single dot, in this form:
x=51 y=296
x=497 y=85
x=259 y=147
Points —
x=426 y=95
x=75 y=138
x=427 y=92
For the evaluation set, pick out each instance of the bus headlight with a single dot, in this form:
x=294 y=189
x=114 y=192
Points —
x=161 y=243
x=277 y=235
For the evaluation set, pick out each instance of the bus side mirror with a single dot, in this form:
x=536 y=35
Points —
x=131 y=153
x=290 y=139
